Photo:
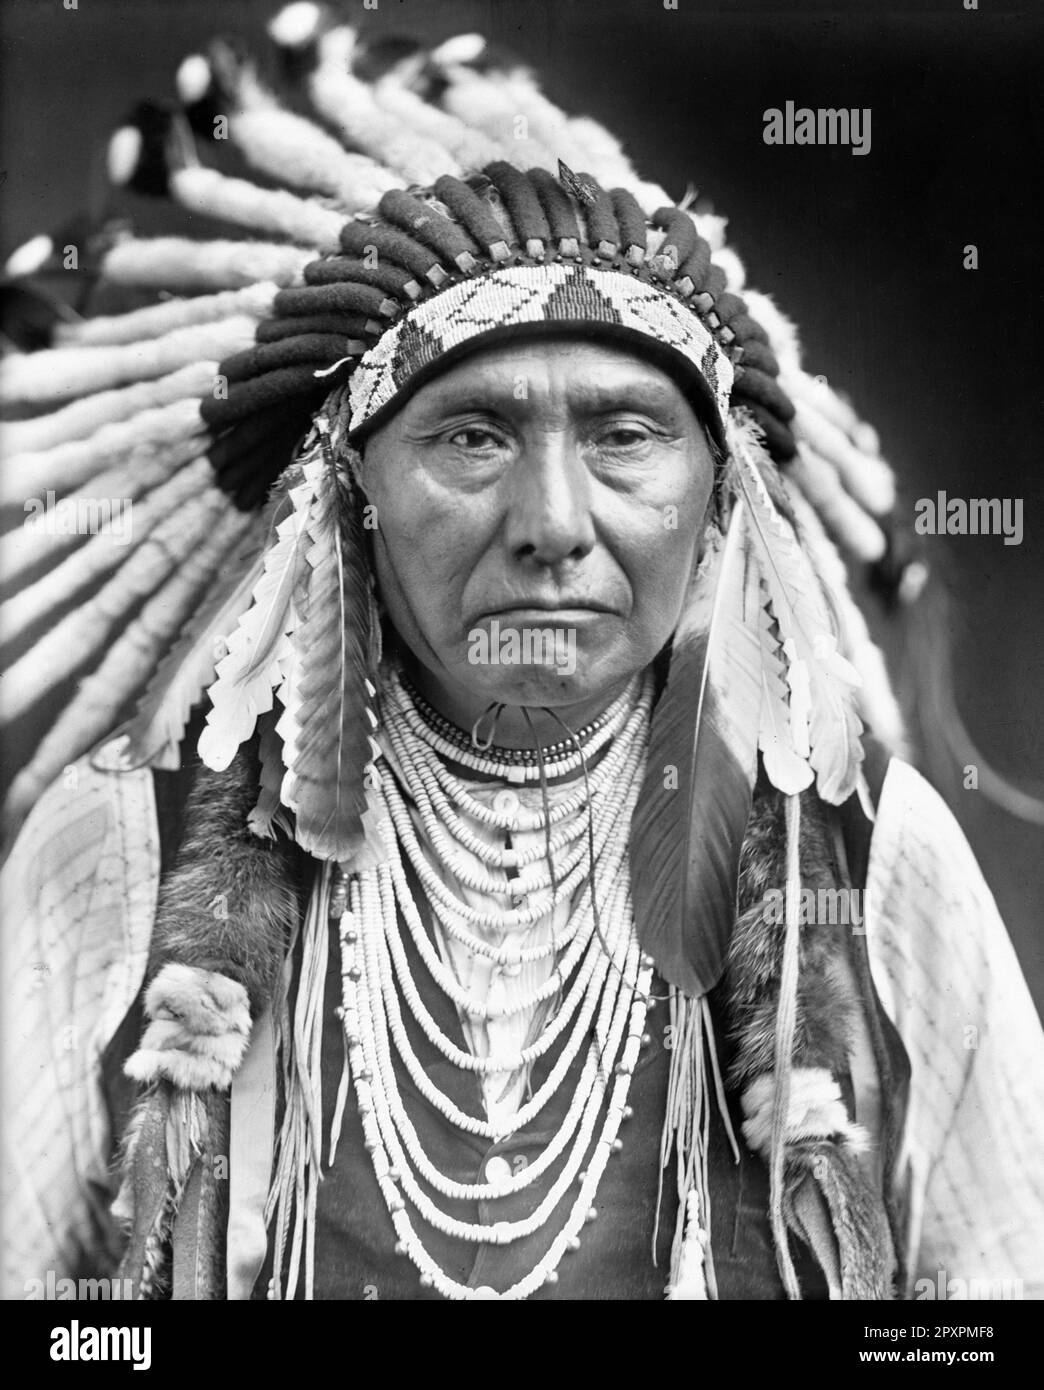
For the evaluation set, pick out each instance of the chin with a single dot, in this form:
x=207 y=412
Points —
x=570 y=683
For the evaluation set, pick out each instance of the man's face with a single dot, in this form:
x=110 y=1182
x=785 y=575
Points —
x=554 y=486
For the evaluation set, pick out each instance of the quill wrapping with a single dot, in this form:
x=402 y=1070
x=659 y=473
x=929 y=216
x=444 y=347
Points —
x=692 y=811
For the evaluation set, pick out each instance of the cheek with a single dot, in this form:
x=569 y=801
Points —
x=661 y=540
x=424 y=543
x=661 y=579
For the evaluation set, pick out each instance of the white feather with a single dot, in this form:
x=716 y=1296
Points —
x=462 y=48
x=29 y=257
x=83 y=633
x=469 y=150
x=271 y=211
x=59 y=374
x=296 y=153
x=254 y=301
x=349 y=106
x=175 y=263
x=148 y=466
x=123 y=154
x=193 y=79
x=809 y=642
x=296 y=25
x=869 y=480
x=99 y=555
x=259 y=648
x=80 y=419
x=69 y=465
x=846 y=521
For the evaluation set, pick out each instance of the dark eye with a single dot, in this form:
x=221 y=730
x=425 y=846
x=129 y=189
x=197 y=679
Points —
x=624 y=436
x=474 y=438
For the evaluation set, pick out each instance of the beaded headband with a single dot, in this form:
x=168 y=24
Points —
x=478 y=311
x=438 y=271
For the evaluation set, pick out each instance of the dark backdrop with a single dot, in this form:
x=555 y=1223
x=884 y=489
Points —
x=865 y=252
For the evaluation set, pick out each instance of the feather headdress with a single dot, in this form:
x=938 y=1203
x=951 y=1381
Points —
x=378 y=216
x=222 y=375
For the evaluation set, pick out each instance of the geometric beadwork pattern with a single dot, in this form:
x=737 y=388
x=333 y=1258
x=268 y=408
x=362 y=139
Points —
x=554 y=293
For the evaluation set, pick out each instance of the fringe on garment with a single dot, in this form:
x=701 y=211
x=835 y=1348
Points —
x=788 y=1013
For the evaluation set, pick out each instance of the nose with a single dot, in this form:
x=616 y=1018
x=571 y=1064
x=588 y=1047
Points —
x=549 y=516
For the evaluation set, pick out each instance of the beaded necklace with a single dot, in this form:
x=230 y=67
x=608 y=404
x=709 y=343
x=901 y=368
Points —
x=517 y=765
x=596 y=997
x=467 y=743
x=603 y=1009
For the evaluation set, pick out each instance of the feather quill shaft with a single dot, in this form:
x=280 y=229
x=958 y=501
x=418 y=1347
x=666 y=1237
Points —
x=692 y=812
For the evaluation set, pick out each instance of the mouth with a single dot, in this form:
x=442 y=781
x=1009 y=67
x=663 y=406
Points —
x=561 y=612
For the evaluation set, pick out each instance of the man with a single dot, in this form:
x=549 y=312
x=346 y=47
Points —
x=474 y=959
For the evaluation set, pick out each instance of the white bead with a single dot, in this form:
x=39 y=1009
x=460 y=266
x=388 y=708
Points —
x=597 y=1014
x=498 y=1171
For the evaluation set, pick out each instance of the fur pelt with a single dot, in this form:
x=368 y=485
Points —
x=199 y=1026
x=750 y=988
x=231 y=898
x=822 y=1142
x=865 y=1253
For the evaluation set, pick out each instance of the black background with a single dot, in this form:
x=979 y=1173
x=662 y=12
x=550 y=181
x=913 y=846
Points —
x=864 y=252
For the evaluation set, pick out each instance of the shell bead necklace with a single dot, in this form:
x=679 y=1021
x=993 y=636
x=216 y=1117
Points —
x=606 y=980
